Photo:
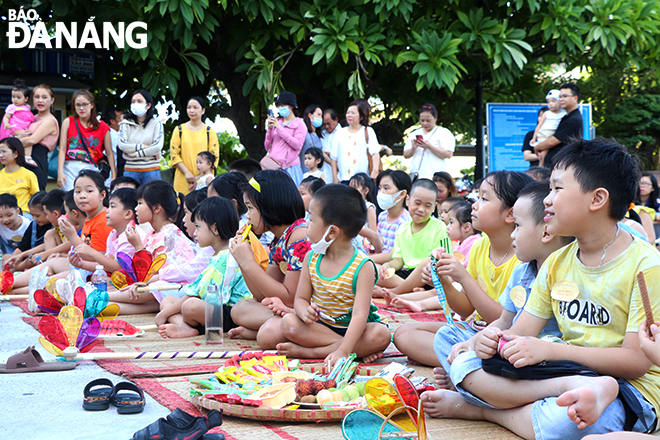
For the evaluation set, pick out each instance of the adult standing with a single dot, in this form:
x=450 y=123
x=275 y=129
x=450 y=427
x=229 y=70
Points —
x=82 y=141
x=355 y=146
x=313 y=119
x=141 y=139
x=528 y=150
x=113 y=117
x=429 y=146
x=43 y=133
x=569 y=127
x=330 y=125
x=188 y=140
x=285 y=136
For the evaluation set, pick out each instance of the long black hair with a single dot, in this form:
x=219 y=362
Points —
x=159 y=192
x=308 y=122
x=150 y=112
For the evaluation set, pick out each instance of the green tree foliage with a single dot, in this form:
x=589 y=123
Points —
x=406 y=52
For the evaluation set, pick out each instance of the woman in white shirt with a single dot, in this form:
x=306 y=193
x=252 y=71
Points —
x=354 y=144
x=429 y=145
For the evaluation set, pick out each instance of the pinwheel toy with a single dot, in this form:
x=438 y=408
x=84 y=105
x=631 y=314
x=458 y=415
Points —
x=6 y=281
x=137 y=270
x=68 y=332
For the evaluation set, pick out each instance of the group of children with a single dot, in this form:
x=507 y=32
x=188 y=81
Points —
x=527 y=259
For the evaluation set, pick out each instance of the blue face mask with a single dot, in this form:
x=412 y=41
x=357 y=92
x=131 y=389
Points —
x=284 y=111
x=317 y=122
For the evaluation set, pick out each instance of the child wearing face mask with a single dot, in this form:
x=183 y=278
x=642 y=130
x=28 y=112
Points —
x=393 y=187
x=333 y=312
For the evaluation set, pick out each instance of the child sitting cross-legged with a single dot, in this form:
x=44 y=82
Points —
x=12 y=224
x=333 y=312
x=216 y=222
x=533 y=245
x=590 y=287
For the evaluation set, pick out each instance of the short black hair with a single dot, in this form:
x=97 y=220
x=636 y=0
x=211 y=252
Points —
x=278 y=200
x=426 y=184
x=428 y=108
x=575 y=90
x=536 y=191
x=353 y=213
x=70 y=202
x=400 y=179
x=230 y=186
x=332 y=113
x=248 y=167
x=220 y=212
x=124 y=179
x=8 y=200
x=37 y=200
x=54 y=201
x=194 y=198
x=655 y=193
x=603 y=163
x=316 y=153
x=507 y=185
x=127 y=197
x=312 y=184
x=110 y=114
x=538 y=173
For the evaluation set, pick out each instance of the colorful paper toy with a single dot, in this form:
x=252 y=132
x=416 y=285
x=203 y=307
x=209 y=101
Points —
x=68 y=329
x=138 y=269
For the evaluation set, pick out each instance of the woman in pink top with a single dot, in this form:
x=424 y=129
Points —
x=42 y=135
x=285 y=136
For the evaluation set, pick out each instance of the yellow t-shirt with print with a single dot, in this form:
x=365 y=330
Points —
x=607 y=304
x=22 y=183
x=491 y=278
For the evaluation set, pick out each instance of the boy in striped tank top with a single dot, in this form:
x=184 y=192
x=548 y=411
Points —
x=333 y=312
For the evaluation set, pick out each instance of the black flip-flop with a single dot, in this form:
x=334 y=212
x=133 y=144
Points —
x=181 y=419
x=128 y=398
x=98 y=394
x=181 y=425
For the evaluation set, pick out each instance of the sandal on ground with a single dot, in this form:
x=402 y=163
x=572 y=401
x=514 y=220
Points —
x=173 y=427
x=30 y=361
x=98 y=394
x=128 y=398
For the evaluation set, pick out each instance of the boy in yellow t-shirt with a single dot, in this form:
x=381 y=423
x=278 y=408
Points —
x=590 y=288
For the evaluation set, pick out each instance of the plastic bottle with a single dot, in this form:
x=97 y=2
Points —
x=100 y=279
x=213 y=315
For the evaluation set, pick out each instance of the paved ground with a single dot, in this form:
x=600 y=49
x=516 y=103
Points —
x=48 y=405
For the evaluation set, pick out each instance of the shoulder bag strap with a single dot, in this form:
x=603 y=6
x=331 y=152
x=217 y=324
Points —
x=207 y=138
x=82 y=141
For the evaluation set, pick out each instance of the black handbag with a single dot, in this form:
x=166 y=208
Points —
x=103 y=166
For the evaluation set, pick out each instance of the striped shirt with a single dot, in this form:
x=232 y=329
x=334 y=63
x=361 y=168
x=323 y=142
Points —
x=336 y=295
x=387 y=230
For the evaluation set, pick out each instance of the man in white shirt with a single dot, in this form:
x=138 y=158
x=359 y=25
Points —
x=330 y=124
x=113 y=117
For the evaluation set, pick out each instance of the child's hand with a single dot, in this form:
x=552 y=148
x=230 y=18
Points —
x=333 y=358
x=486 y=342
x=12 y=261
x=75 y=260
x=277 y=306
x=384 y=271
x=66 y=228
x=133 y=237
x=84 y=251
x=522 y=351
x=426 y=275
x=459 y=348
x=311 y=315
x=650 y=345
x=241 y=250
x=160 y=318
x=449 y=266
x=132 y=293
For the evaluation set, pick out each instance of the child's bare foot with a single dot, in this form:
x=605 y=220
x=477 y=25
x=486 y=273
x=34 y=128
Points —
x=443 y=404
x=377 y=292
x=241 y=332
x=277 y=306
x=292 y=350
x=442 y=379
x=30 y=161
x=586 y=404
x=388 y=297
x=400 y=303
x=177 y=331
x=372 y=357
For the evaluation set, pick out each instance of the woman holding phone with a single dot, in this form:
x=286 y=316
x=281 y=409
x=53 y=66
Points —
x=429 y=145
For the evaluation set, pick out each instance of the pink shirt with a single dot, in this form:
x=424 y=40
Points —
x=465 y=246
x=119 y=242
x=51 y=140
x=284 y=143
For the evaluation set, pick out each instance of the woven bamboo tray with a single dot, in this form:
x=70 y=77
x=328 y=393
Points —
x=283 y=414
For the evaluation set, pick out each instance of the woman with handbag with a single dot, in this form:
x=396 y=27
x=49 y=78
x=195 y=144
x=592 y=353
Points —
x=82 y=142
x=285 y=136
x=188 y=140
x=355 y=148
x=429 y=146
x=43 y=133
x=141 y=139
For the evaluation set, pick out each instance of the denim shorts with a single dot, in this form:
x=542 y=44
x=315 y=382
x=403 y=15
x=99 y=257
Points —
x=143 y=177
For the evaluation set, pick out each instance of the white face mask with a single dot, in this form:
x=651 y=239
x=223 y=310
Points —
x=138 y=109
x=322 y=246
x=386 y=201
